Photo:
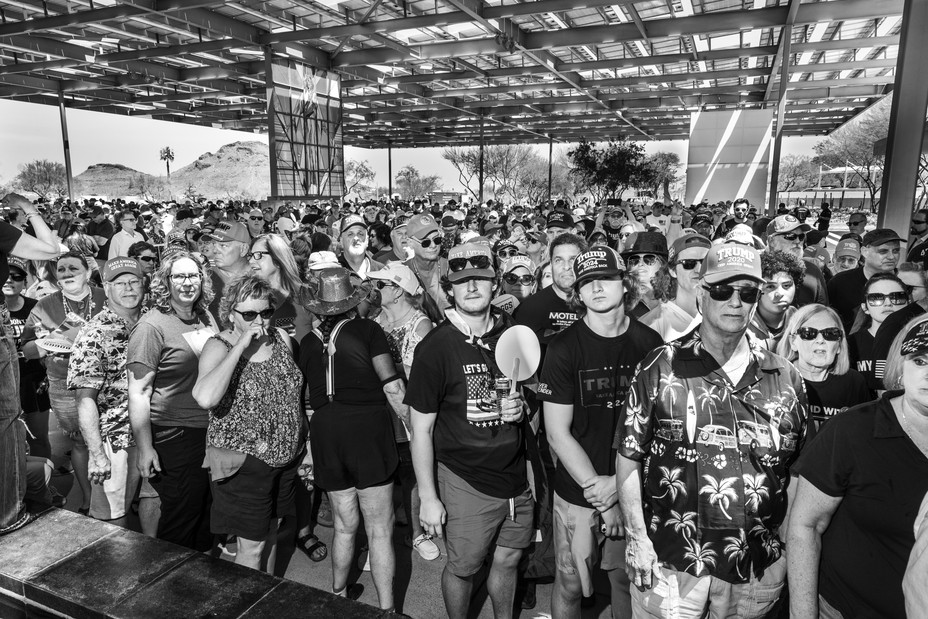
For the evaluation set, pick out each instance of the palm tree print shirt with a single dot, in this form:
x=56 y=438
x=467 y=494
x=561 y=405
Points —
x=715 y=456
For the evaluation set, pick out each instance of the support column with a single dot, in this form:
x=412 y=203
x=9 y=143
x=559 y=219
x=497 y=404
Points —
x=786 y=37
x=390 y=172
x=906 y=121
x=271 y=131
x=550 y=164
x=65 y=142
x=480 y=166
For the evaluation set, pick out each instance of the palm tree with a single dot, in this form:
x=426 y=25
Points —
x=167 y=156
x=720 y=492
x=754 y=490
x=635 y=417
x=699 y=555
x=736 y=550
x=667 y=384
x=671 y=479
x=682 y=523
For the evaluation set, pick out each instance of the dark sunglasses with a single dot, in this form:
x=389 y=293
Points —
x=512 y=279
x=148 y=258
x=624 y=235
x=723 y=292
x=895 y=298
x=689 y=264
x=18 y=277
x=249 y=316
x=475 y=262
x=252 y=218
x=426 y=243
x=509 y=252
x=855 y=223
x=793 y=236
x=257 y=255
x=831 y=334
x=648 y=259
x=382 y=284
x=916 y=222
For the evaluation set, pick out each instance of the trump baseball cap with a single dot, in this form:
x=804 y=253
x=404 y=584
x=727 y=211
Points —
x=559 y=219
x=229 y=231
x=120 y=266
x=728 y=261
x=421 y=226
x=785 y=223
x=847 y=247
x=598 y=262
x=350 y=221
x=470 y=260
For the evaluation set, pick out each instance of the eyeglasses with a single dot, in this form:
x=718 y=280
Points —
x=475 y=262
x=689 y=263
x=895 y=298
x=831 y=334
x=17 y=277
x=919 y=222
x=794 y=236
x=525 y=280
x=132 y=283
x=180 y=278
x=624 y=235
x=382 y=284
x=132 y=219
x=426 y=243
x=253 y=218
x=856 y=223
x=509 y=252
x=648 y=259
x=257 y=255
x=723 y=292
x=250 y=316
x=148 y=258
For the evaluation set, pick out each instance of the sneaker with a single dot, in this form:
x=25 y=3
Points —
x=426 y=548
x=229 y=546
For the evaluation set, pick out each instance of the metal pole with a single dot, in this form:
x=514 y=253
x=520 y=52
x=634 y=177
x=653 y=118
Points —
x=65 y=142
x=271 y=134
x=906 y=121
x=786 y=36
x=480 y=168
x=550 y=153
x=390 y=170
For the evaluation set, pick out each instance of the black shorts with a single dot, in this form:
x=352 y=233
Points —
x=246 y=503
x=352 y=446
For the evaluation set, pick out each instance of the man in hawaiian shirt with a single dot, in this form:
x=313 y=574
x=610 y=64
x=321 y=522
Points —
x=710 y=427
x=97 y=371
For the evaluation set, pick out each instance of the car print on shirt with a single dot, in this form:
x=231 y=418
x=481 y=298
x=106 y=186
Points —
x=719 y=436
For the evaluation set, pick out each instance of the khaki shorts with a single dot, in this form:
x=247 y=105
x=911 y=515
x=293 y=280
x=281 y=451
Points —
x=477 y=522
x=580 y=545
x=108 y=501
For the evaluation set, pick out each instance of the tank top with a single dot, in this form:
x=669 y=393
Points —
x=261 y=413
x=403 y=341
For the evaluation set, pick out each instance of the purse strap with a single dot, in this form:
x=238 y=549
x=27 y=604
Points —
x=330 y=357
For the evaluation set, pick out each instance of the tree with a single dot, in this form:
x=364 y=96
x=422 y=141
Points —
x=43 y=178
x=852 y=145
x=797 y=172
x=660 y=172
x=466 y=160
x=410 y=183
x=358 y=175
x=608 y=171
x=167 y=156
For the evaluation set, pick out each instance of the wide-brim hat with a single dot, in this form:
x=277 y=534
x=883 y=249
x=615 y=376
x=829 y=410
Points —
x=335 y=291
x=646 y=243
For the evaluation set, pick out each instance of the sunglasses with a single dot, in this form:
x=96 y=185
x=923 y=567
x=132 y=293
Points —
x=475 y=262
x=257 y=255
x=916 y=222
x=525 y=280
x=252 y=218
x=689 y=263
x=855 y=223
x=895 y=298
x=382 y=284
x=624 y=235
x=794 y=236
x=18 y=277
x=148 y=258
x=426 y=243
x=508 y=253
x=250 y=316
x=648 y=259
x=831 y=334
x=723 y=292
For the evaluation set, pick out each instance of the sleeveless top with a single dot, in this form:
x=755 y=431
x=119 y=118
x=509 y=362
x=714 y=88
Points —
x=404 y=339
x=261 y=413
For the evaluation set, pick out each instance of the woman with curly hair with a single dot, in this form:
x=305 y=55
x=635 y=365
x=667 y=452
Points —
x=168 y=424
x=251 y=385
x=784 y=273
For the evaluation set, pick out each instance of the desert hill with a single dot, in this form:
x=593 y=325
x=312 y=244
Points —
x=111 y=179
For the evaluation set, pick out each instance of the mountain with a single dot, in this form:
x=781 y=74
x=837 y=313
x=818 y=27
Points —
x=236 y=171
x=112 y=180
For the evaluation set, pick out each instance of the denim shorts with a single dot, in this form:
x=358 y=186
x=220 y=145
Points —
x=64 y=405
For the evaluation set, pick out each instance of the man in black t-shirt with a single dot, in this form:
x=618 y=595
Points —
x=101 y=229
x=481 y=502
x=546 y=312
x=586 y=375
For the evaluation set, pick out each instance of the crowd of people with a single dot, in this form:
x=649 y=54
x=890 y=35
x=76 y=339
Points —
x=728 y=419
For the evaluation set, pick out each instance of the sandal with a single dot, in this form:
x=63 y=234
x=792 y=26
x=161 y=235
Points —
x=316 y=551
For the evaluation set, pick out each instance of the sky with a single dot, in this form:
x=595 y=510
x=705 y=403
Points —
x=30 y=131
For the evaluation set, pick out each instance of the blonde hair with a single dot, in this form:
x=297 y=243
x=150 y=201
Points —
x=892 y=377
x=241 y=289
x=283 y=258
x=803 y=315
x=161 y=287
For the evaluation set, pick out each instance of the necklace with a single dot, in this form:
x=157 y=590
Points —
x=84 y=310
x=910 y=432
x=399 y=321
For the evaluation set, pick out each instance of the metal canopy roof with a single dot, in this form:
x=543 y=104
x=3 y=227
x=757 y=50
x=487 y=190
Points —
x=431 y=72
